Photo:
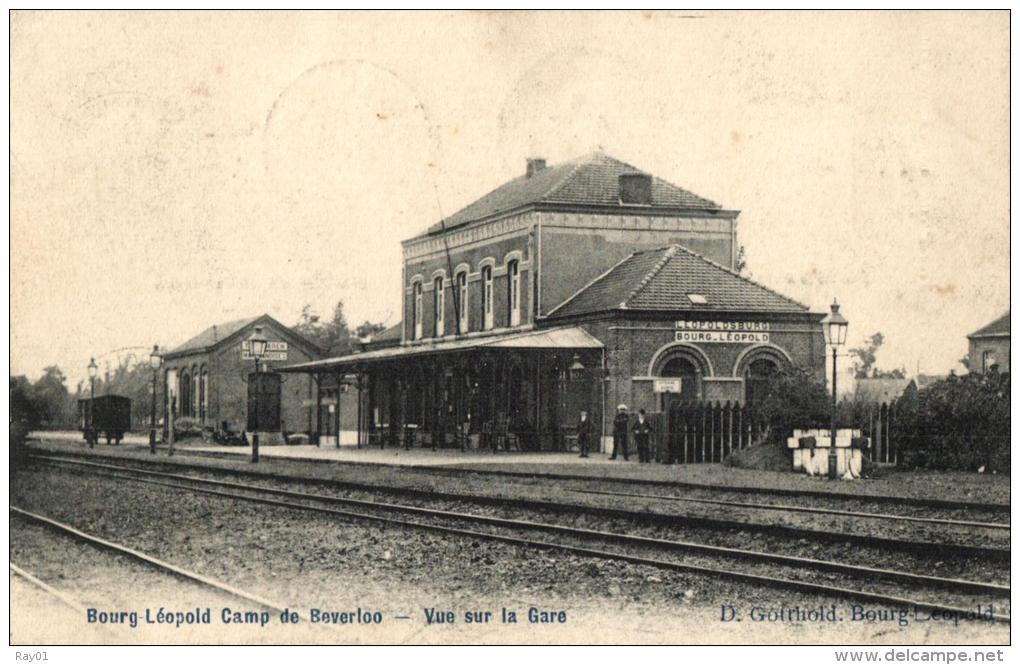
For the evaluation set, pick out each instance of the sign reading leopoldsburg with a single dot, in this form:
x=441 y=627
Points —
x=731 y=332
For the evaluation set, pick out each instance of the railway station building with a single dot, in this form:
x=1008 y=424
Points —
x=205 y=378
x=573 y=287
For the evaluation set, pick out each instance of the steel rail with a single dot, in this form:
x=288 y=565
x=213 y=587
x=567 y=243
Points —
x=721 y=573
x=949 y=504
x=802 y=509
x=59 y=595
x=991 y=589
x=159 y=564
x=450 y=470
x=654 y=518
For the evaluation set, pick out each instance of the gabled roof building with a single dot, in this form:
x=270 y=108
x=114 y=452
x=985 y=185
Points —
x=205 y=378
x=989 y=347
x=573 y=287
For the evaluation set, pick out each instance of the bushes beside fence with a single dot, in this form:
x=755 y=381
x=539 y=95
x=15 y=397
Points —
x=961 y=422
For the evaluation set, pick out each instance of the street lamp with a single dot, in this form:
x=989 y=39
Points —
x=834 y=327
x=155 y=360
x=93 y=368
x=257 y=343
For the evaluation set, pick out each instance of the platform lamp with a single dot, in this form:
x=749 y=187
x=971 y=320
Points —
x=257 y=344
x=93 y=369
x=155 y=360
x=834 y=327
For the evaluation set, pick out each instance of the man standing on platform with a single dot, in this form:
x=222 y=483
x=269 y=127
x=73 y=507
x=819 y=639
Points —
x=642 y=434
x=620 y=426
x=584 y=433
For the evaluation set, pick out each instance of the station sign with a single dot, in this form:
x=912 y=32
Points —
x=274 y=351
x=667 y=385
x=722 y=332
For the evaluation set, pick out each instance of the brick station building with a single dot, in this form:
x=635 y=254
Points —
x=576 y=286
x=205 y=378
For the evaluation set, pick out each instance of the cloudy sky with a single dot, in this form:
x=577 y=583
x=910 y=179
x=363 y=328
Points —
x=174 y=170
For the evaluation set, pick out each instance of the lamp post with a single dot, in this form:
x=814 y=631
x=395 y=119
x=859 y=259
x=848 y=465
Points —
x=155 y=360
x=257 y=344
x=93 y=368
x=834 y=327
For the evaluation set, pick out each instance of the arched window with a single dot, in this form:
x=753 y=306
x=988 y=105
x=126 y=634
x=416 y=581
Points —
x=487 y=297
x=687 y=372
x=513 y=292
x=203 y=395
x=757 y=378
x=416 y=311
x=185 y=394
x=462 y=300
x=439 y=306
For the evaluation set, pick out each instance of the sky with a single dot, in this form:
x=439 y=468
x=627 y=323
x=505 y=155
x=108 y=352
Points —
x=170 y=171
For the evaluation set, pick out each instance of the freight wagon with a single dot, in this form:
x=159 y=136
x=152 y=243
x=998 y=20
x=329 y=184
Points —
x=109 y=415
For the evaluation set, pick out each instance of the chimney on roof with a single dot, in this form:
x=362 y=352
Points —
x=535 y=164
x=636 y=188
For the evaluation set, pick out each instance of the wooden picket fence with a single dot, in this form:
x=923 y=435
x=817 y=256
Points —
x=708 y=432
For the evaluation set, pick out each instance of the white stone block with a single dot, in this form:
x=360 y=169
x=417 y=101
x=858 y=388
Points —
x=798 y=459
x=793 y=442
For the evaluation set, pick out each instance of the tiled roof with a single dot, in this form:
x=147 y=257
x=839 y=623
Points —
x=589 y=180
x=880 y=390
x=213 y=335
x=672 y=278
x=998 y=327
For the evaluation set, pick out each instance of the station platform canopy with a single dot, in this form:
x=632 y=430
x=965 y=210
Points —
x=564 y=338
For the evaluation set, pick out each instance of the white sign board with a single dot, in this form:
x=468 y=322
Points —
x=274 y=351
x=720 y=337
x=723 y=332
x=666 y=385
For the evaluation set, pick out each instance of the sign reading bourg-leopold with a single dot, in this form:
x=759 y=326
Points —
x=733 y=332
x=274 y=351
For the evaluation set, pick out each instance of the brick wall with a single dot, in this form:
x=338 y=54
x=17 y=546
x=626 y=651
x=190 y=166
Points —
x=496 y=250
x=576 y=248
x=631 y=345
x=997 y=346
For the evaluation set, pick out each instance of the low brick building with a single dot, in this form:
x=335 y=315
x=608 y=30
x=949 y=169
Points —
x=205 y=378
x=573 y=287
x=989 y=347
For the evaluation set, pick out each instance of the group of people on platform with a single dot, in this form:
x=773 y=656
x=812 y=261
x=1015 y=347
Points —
x=622 y=429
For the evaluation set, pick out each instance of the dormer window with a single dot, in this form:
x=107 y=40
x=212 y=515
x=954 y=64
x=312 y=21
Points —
x=635 y=189
x=439 y=300
x=697 y=299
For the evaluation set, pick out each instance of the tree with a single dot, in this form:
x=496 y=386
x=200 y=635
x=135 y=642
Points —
x=368 y=329
x=24 y=408
x=51 y=397
x=333 y=336
x=741 y=263
x=864 y=356
x=793 y=397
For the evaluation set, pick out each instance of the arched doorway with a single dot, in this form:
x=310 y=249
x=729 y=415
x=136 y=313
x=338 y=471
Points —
x=757 y=379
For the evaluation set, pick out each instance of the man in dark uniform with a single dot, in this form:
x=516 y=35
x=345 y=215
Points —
x=584 y=433
x=620 y=427
x=642 y=435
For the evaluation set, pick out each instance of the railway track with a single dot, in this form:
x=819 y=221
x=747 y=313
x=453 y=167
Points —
x=804 y=509
x=209 y=583
x=844 y=582
x=878 y=499
x=647 y=517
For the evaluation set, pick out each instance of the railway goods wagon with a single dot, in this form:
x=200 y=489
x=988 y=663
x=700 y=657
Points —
x=107 y=414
